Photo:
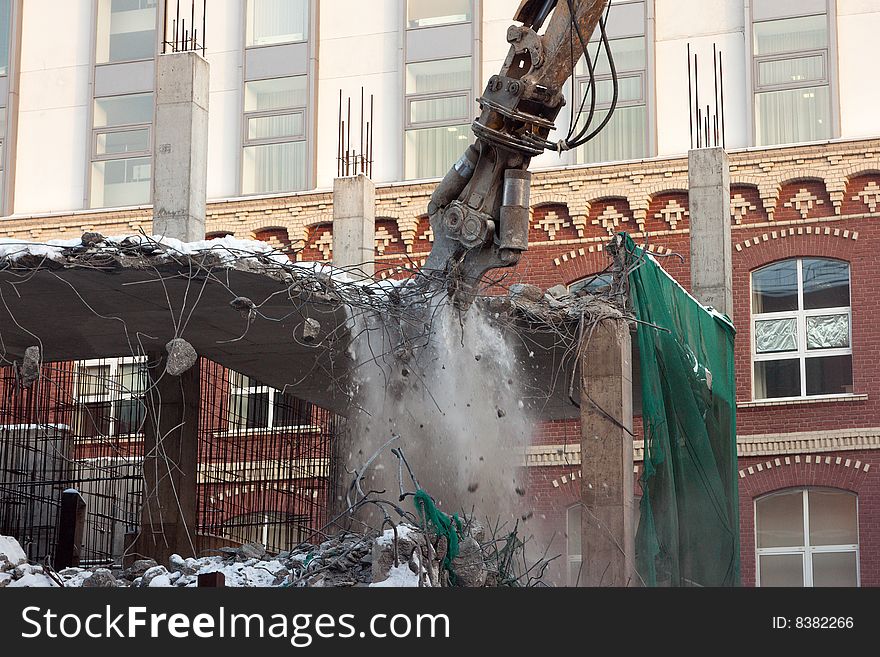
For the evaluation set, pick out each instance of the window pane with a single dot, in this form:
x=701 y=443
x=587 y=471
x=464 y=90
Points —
x=624 y=138
x=629 y=55
x=120 y=182
x=425 y=13
x=123 y=110
x=833 y=517
x=629 y=89
x=93 y=380
x=780 y=520
x=786 y=71
x=276 y=93
x=258 y=410
x=826 y=283
x=835 y=569
x=828 y=332
x=439 y=75
x=793 y=115
x=438 y=109
x=133 y=378
x=277 y=21
x=274 y=168
x=5 y=21
x=126 y=30
x=775 y=288
x=782 y=569
x=777 y=378
x=130 y=415
x=279 y=125
x=791 y=35
x=830 y=375
x=775 y=335
x=124 y=141
x=431 y=151
x=94 y=420
x=288 y=411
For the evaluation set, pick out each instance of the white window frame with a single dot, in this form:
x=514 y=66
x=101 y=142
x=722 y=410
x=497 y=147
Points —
x=807 y=551
x=243 y=392
x=157 y=31
x=830 y=79
x=428 y=27
x=112 y=385
x=248 y=9
x=93 y=147
x=800 y=315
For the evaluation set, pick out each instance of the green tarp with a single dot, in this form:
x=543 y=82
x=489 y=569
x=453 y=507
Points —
x=688 y=531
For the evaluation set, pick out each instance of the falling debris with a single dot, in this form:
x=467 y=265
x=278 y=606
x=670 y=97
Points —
x=181 y=356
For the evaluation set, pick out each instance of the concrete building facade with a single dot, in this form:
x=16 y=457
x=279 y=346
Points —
x=804 y=146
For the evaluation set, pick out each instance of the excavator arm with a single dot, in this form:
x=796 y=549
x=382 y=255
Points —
x=479 y=212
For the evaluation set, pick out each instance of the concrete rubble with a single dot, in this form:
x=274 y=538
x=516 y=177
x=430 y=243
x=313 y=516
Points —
x=399 y=557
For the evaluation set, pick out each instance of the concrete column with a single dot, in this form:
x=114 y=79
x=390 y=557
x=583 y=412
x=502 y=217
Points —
x=180 y=163
x=170 y=513
x=607 y=457
x=354 y=223
x=711 y=249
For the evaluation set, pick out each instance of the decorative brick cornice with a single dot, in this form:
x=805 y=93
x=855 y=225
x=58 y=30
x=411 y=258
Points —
x=844 y=176
x=776 y=444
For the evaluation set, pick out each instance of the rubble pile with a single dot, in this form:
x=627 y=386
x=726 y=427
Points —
x=399 y=557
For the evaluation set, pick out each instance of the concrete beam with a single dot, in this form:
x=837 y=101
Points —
x=180 y=163
x=354 y=223
x=170 y=511
x=711 y=248
x=607 y=539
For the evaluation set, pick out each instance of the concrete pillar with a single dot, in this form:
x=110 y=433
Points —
x=354 y=223
x=607 y=539
x=711 y=249
x=180 y=163
x=170 y=512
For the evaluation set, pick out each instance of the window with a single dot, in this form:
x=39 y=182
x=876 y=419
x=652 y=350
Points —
x=126 y=30
x=573 y=544
x=807 y=537
x=275 y=156
x=121 y=150
x=110 y=397
x=255 y=406
x=277 y=21
x=626 y=135
x=429 y=13
x=801 y=329
x=595 y=284
x=791 y=71
x=438 y=108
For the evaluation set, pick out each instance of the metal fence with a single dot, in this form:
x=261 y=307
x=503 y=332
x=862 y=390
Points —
x=265 y=458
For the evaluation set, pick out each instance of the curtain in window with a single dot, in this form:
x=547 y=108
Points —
x=270 y=168
x=431 y=151
x=793 y=115
x=624 y=138
x=277 y=21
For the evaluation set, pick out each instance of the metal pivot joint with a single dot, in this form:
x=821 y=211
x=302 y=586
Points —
x=479 y=212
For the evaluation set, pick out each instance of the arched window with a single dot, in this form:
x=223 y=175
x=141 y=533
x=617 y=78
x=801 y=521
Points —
x=807 y=537
x=595 y=283
x=801 y=329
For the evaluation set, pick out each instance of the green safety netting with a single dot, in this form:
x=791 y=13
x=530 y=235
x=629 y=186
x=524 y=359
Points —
x=688 y=532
